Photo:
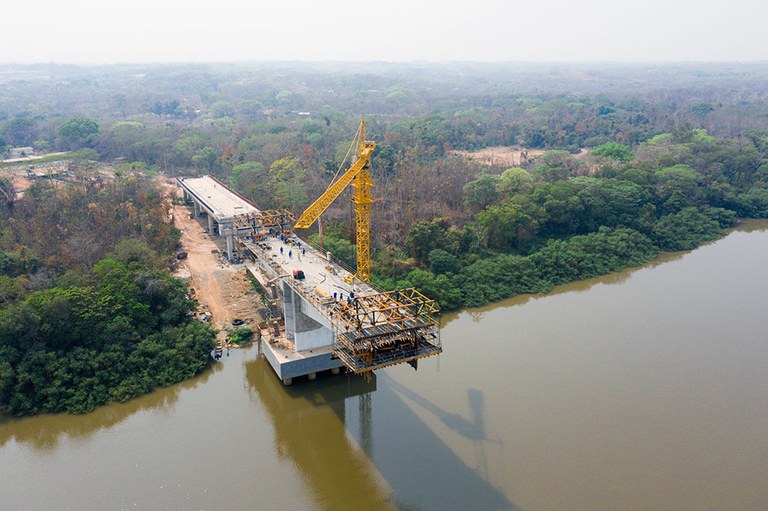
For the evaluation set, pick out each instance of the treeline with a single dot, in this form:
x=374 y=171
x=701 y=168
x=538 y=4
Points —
x=565 y=219
x=88 y=312
x=670 y=153
x=278 y=132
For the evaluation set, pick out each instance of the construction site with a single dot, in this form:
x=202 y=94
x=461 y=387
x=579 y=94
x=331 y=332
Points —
x=318 y=315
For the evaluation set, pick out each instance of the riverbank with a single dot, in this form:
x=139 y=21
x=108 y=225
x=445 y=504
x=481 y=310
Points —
x=499 y=276
x=640 y=390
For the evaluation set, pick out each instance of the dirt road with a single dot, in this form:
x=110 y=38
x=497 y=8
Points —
x=222 y=288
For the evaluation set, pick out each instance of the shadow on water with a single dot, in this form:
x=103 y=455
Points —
x=46 y=430
x=424 y=472
x=473 y=430
x=398 y=462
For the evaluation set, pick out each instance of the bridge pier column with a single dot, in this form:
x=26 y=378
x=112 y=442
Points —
x=230 y=243
x=195 y=208
x=210 y=224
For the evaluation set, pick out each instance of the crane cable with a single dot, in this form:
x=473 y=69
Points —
x=357 y=136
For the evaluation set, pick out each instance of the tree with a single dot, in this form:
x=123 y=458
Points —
x=514 y=181
x=685 y=229
x=77 y=132
x=135 y=251
x=10 y=290
x=20 y=131
x=287 y=178
x=615 y=151
x=557 y=166
x=482 y=191
x=509 y=225
x=249 y=179
x=384 y=159
x=7 y=193
x=441 y=262
x=424 y=237
x=208 y=159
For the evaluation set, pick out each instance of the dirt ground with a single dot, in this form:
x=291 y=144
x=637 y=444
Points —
x=18 y=179
x=500 y=156
x=222 y=289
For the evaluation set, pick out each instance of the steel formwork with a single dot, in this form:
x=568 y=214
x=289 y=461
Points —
x=383 y=329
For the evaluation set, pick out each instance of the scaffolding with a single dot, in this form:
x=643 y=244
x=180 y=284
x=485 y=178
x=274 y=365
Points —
x=257 y=223
x=384 y=329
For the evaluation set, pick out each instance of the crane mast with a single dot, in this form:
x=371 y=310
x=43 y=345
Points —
x=359 y=176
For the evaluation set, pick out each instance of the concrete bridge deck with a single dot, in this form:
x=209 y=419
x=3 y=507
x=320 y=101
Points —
x=330 y=319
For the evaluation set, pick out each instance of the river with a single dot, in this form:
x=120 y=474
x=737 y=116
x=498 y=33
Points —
x=642 y=390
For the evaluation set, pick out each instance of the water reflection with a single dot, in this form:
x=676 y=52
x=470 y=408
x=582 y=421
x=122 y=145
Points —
x=45 y=431
x=309 y=424
x=752 y=225
x=378 y=454
x=579 y=286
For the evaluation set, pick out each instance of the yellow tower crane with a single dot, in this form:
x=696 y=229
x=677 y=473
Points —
x=359 y=175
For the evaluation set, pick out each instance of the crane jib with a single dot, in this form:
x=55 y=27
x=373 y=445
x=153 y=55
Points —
x=321 y=204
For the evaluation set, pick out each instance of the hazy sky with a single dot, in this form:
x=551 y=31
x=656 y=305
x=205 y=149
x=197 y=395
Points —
x=98 y=31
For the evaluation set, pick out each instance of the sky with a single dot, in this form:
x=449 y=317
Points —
x=127 y=31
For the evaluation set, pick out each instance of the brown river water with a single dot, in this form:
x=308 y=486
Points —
x=642 y=390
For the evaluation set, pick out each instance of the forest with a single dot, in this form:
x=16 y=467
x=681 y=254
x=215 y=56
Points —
x=88 y=310
x=624 y=161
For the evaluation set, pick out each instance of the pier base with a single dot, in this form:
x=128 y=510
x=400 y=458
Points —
x=289 y=364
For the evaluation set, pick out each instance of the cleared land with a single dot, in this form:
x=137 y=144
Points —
x=222 y=289
x=500 y=156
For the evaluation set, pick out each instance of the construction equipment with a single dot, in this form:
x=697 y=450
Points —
x=359 y=175
x=382 y=329
x=258 y=222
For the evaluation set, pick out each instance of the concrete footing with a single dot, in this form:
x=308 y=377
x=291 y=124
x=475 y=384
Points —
x=289 y=364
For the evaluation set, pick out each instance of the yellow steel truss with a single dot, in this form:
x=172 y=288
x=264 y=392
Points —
x=360 y=173
x=383 y=329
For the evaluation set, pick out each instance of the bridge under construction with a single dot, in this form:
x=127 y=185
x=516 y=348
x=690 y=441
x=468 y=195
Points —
x=325 y=316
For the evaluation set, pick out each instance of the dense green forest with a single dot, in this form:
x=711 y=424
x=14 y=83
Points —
x=626 y=161
x=88 y=311
x=562 y=221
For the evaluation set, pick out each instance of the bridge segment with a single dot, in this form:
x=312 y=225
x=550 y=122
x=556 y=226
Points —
x=211 y=198
x=331 y=320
